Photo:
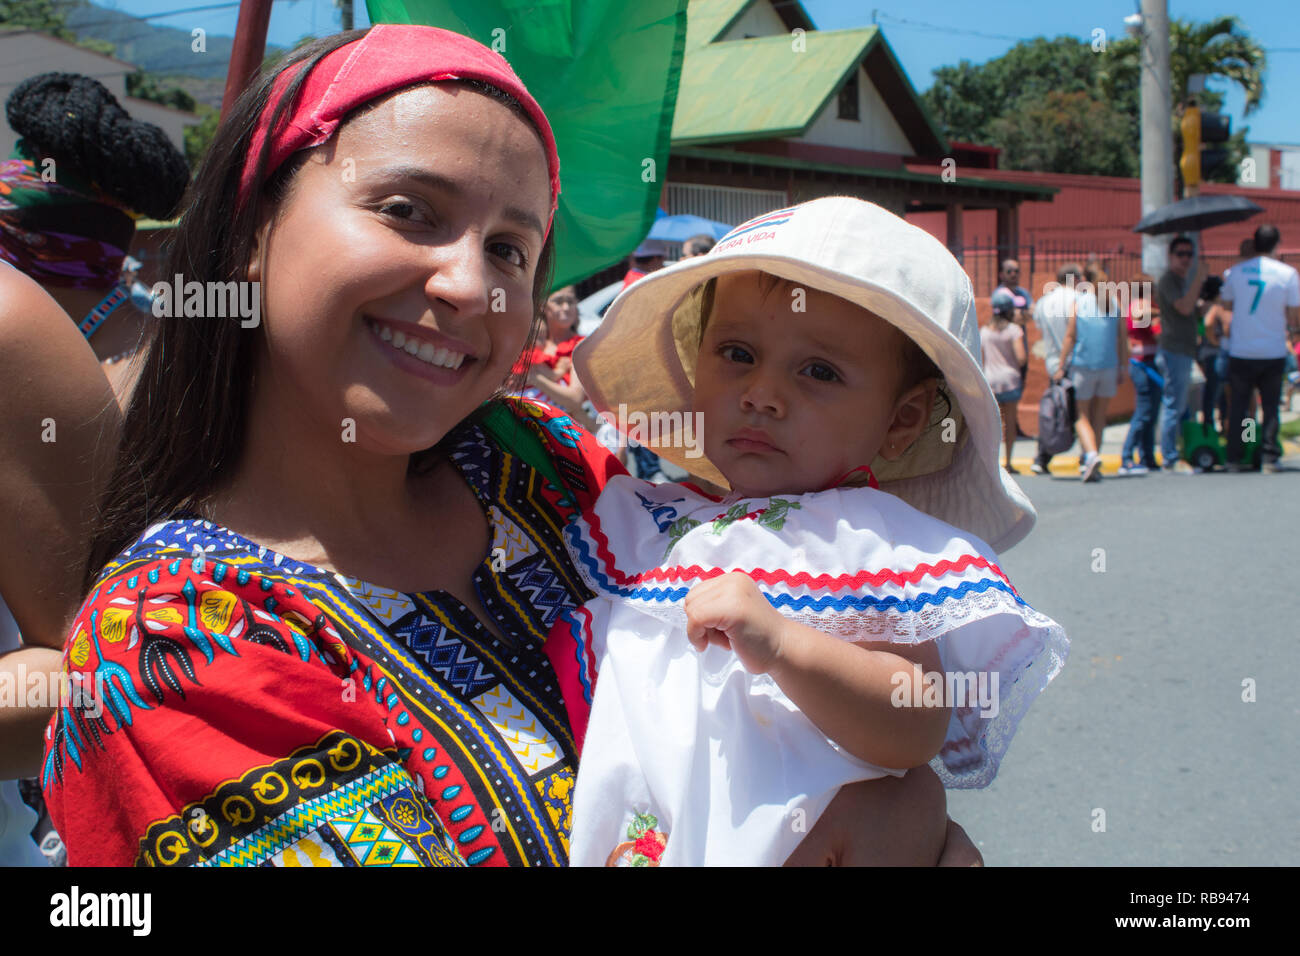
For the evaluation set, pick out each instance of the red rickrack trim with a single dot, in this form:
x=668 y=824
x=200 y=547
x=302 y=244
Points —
x=780 y=576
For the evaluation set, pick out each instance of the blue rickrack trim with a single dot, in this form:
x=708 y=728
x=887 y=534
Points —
x=578 y=633
x=804 y=602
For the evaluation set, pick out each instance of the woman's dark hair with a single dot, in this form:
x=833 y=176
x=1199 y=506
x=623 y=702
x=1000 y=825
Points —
x=1211 y=287
x=78 y=123
x=188 y=415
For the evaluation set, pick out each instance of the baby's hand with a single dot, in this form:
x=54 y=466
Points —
x=731 y=612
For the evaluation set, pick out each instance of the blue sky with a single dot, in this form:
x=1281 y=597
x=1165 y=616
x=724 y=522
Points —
x=924 y=34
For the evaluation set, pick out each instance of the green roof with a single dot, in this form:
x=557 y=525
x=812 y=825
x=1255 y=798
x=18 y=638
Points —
x=761 y=88
x=706 y=20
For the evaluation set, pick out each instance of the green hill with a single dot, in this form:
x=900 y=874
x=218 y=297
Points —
x=164 y=51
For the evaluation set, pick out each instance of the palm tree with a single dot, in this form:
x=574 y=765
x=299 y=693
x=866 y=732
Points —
x=1219 y=48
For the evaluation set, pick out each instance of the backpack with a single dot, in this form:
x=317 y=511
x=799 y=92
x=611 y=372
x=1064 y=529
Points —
x=1056 y=417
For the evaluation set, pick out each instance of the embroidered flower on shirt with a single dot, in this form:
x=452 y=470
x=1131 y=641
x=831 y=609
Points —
x=644 y=846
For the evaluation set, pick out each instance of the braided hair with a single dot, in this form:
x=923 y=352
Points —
x=77 y=121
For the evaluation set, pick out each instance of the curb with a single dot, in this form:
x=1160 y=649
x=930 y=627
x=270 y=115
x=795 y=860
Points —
x=1067 y=464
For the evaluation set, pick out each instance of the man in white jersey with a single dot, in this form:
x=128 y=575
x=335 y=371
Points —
x=1264 y=295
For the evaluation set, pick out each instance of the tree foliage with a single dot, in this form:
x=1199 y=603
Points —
x=1067 y=105
x=40 y=15
x=1219 y=49
x=1067 y=133
x=199 y=136
x=44 y=16
x=145 y=86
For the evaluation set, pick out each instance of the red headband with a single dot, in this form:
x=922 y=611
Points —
x=389 y=57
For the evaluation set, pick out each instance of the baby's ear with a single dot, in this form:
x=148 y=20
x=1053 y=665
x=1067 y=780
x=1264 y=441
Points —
x=911 y=418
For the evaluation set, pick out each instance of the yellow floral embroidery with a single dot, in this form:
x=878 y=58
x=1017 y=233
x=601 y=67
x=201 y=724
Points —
x=215 y=609
x=80 y=648
x=114 y=624
x=165 y=615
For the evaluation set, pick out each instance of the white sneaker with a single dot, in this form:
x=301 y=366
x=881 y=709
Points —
x=1037 y=469
x=1092 y=467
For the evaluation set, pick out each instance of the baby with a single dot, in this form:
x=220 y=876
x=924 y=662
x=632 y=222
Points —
x=836 y=616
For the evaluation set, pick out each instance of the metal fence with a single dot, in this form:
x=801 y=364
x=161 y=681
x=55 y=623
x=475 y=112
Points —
x=1041 y=260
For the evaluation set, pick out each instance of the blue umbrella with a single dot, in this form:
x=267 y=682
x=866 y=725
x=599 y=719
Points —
x=681 y=228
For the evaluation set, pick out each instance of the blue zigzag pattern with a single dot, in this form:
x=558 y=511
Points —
x=446 y=654
x=537 y=581
x=805 y=602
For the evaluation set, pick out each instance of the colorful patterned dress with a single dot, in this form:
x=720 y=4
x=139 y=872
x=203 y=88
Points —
x=244 y=708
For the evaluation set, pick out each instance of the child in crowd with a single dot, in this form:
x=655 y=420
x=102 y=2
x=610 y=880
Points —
x=837 y=615
x=1002 y=343
x=1138 y=456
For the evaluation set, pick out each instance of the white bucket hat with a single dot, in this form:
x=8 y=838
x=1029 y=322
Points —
x=643 y=355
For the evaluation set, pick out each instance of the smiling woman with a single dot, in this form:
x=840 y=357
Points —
x=331 y=553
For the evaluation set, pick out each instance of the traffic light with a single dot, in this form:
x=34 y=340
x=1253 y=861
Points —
x=1215 y=129
x=1190 y=163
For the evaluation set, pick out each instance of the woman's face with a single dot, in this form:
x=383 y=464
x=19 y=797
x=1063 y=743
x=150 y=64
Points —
x=561 y=314
x=399 y=269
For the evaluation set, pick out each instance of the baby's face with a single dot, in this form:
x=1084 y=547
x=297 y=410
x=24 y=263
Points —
x=791 y=400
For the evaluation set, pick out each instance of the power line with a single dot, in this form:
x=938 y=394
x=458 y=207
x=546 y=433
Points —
x=919 y=25
x=958 y=31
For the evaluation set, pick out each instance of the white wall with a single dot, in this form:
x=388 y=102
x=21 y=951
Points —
x=721 y=203
x=875 y=129
x=1290 y=173
x=1260 y=154
x=760 y=20
x=24 y=55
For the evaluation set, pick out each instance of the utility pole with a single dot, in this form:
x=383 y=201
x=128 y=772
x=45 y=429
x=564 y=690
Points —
x=247 y=51
x=345 y=14
x=1157 y=138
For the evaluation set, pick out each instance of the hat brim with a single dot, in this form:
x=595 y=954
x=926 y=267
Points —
x=635 y=359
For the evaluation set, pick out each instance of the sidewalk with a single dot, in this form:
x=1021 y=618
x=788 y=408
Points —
x=1112 y=443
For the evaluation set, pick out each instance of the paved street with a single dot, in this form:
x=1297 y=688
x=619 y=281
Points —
x=1146 y=721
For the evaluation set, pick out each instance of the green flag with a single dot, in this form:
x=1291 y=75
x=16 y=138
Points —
x=606 y=75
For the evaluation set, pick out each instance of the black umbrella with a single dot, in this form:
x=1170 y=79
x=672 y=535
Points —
x=1197 y=213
